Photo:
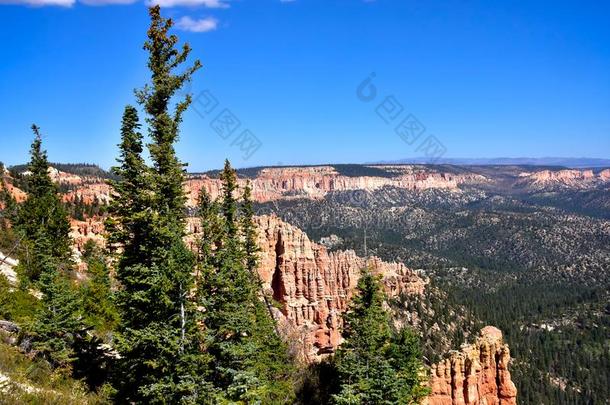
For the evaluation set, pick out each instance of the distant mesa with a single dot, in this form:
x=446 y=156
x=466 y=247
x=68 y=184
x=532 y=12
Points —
x=546 y=161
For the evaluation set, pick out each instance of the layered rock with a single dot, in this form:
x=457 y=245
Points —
x=315 y=182
x=81 y=232
x=90 y=193
x=476 y=374
x=313 y=286
x=65 y=178
x=567 y=177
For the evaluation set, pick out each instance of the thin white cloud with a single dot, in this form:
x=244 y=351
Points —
x=200 y=25
x=162 y=3
x=106 y=2
x=192 y=3
x=40 y=3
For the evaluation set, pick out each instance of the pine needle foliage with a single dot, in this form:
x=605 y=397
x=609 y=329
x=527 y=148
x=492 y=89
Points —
x=375 y=364
x=158 y=336
x=42 y=222
x=249 y=360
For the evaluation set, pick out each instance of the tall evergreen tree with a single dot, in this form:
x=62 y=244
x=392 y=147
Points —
x=131 y=206
x=45 y=255
x=211 y=235
x=58 y=324
x=376 y=366
x=42 y=221
x=97 y=296
x=159 y=339
x=228 y=178
x=249 y=359
x=251 y=248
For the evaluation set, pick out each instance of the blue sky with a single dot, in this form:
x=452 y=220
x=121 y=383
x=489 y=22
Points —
x=487 y=79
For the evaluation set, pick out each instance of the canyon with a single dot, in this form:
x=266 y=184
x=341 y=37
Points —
x=271 y=184
x=314 y=286
x=311 y=285
x=316 y=182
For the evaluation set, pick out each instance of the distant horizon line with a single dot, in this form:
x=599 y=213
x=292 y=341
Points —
x=567 y=162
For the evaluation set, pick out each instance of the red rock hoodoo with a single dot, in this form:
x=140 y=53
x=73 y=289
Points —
x=314 y=286
x=476 y=375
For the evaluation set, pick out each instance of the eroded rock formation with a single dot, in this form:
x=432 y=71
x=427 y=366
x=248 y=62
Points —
x=99 y=192
x=315 y=182
x=313 y=286
x=18 y=194
x=477 y=374
x=567 y=177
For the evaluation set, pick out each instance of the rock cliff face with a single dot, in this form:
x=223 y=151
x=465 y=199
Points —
x=313 y=286
x=282 y=183
x=89 y=193
x=67 y=178
x=477 y=374
x=83 y=231
x=315 y=182
x=568 y=177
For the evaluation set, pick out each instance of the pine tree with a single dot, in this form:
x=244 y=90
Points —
x=131 y=215
x=405 y=357
x=159 y=339
x=43 y=226
x=58 y=324
x=228 y=178
x=42 y=221
x=211 y=234
x=249 y=230
x=249 y=359
x=97 y=297
x=251 y=248
x=374 y=365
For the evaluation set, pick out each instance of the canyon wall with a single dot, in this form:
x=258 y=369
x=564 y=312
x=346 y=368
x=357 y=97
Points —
x=567 y=177
x=282 y=183
x=312 y=286
x=315 y=182
x=99 y=192
x=477 y=374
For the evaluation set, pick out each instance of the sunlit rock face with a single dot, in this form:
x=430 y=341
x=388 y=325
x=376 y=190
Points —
x=315 y=182
x=313 y=286
x=568 y=177
x=477 y=374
